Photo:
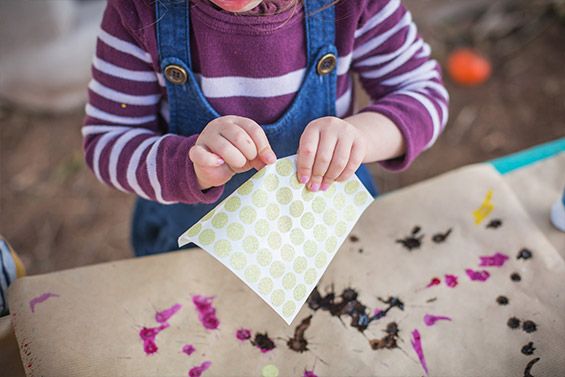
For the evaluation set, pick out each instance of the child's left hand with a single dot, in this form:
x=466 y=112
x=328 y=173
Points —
x=331 y=149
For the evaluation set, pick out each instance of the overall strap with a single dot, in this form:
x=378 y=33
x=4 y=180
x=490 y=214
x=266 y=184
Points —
x=320 y=26
x=173 y=41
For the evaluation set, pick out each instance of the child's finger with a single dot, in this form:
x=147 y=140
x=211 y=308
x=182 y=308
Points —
x=355 y=160
x=241 y=140
x=227 y=151
x=307 y=149
x=257 y=134
x=339 y=162
x=200 y=156
x=324 y=155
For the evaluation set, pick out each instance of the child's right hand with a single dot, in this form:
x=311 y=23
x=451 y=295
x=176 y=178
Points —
x=229 y=145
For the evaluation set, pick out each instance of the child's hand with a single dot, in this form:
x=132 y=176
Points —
x=330 y=149
x=228 y=145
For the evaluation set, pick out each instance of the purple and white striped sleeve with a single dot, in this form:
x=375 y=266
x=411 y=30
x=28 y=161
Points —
x=123 y=141
x=396 y=70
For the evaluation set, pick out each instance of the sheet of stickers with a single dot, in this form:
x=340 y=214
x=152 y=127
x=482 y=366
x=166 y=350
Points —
x=447 y=277
x=277 y=236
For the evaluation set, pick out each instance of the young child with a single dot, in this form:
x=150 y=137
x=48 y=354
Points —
x=11 y=268
x=189 y=98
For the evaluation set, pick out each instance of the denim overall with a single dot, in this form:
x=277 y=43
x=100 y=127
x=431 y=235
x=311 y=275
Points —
x=156 y=227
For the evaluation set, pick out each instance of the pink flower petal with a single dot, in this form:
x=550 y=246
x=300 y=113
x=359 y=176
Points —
x=309 y=373
x=417 y=346
x=199 y=369
x=451 y=280
x=495 y=260
x=243 y=334
x=188 y=349
x=165 y=315
x=206 y=312
x=148 y=336
x=477 y=275
x=430 y=319
x=434 y=281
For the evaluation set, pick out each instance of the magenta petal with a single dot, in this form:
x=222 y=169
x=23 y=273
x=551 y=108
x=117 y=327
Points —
x=202 y=303
x=149 y=346
x=163 y=316
x=309 y=373
x=417 y=346
x=199 y=369
x=451 y=280
x=434 y=281
x=188 y=349
x=495 y=260
x=477 y=275
x=430 y=319
x=206 y=312
x=243 y=334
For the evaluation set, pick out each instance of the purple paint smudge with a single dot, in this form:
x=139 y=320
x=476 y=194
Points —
x=451 y=281
x=165 y=315
x=188 y=349
x=39 y=299
x=477 y=275
x=148 y=335
x=199 y=369
x=243 y=334
x=309 y=373
x=206 y=312
x=496 y=260
x=416 y=342
x=430 y=319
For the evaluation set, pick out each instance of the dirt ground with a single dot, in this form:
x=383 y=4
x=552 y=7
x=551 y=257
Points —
x=58 y=216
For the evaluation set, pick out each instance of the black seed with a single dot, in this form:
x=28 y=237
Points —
x=529 y=326
x=360 y=251
x=494 y=223
x=416 y=230
x=528 y=349
x=353 y=238
x=502 y=300
x=524 y=254
x=515 y=276
x=513 y=323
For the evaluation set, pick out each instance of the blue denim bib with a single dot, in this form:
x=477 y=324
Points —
x=156 y=227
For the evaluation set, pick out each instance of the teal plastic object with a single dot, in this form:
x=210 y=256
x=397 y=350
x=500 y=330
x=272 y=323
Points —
x=529 y=156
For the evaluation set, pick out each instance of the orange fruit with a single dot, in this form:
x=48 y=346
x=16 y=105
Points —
x=467 y=67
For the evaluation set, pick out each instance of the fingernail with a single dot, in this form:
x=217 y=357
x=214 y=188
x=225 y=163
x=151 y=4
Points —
x=324 y=186
x=314 y=187
x=270 y=157
x=304 y=179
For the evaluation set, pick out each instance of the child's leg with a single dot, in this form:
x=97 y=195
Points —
x=11 y=267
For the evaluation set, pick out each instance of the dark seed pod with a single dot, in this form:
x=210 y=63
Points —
x=528 y=349
x=529 y=326
x=513 y=323
x=524 y=254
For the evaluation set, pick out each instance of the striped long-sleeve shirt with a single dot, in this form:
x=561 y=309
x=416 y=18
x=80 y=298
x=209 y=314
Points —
x=250 y=66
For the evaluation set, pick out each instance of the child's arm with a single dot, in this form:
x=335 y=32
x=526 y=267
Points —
x=123 y=142
x=408 y=106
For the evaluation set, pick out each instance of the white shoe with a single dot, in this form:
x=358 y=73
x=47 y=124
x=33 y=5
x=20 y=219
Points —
x=558 y=215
